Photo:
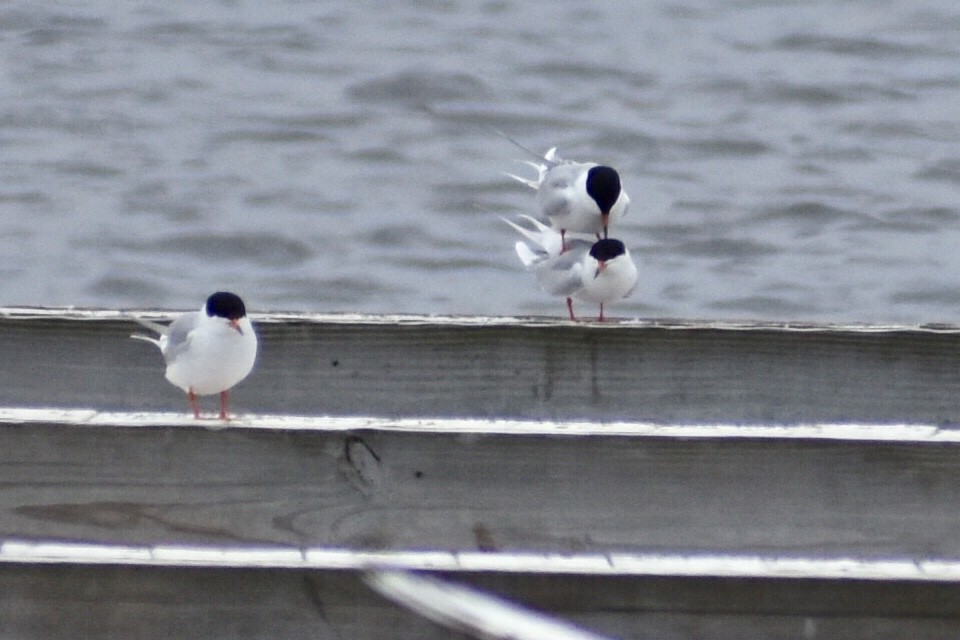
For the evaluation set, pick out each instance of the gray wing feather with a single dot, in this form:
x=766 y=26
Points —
x=555 y=207
x=561 y=276
x=554 y=201
x=178 y=335
x=565 y=284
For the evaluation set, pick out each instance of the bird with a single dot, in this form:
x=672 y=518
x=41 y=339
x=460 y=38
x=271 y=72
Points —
x=600 y=271
x=577 y=197
x=207 y=351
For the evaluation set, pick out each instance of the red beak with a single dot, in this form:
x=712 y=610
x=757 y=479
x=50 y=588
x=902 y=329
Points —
x=235 y=323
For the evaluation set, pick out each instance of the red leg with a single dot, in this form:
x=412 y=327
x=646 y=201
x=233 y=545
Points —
x=600 y=319
x=563 y=240
x=570 y=308
x=223 y=405
x=192 y=397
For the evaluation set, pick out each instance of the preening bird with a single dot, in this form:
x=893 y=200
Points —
x=577 y=197
x=600 y=271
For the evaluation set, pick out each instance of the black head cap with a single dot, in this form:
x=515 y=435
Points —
x=607 y=249
x=603 y=185
x=226 y=305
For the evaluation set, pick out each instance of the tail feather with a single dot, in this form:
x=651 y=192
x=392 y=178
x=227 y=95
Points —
x=156 y=327
x=535 y=236
x=543 y=164
x=527 y=256
x=145 y=338
x=536 y=183
x=533 y=184
x=545 y=239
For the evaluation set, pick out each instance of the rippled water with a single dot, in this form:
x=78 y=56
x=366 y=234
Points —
x=786 y=160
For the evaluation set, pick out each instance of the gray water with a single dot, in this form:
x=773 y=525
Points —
x=786 y=160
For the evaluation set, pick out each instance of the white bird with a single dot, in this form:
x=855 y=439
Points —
x=207 y=351
x=601 y=272
x=577 y=197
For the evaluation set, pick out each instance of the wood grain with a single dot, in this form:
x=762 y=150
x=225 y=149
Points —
x=551 y=370
x=831 y=489
x=53 y=602
x=380 y=489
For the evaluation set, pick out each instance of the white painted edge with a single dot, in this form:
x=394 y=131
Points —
x=608 y=564
x=279 y=317
x=850 y=432
x=463 y=608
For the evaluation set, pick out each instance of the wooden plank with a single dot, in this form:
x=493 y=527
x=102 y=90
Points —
x=614 y=565
x=641 y=479
x=369 y=488
x=50 y=602
x=848 y=432
x=677 y=373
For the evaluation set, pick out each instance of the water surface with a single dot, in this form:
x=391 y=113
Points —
x=786 y=160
